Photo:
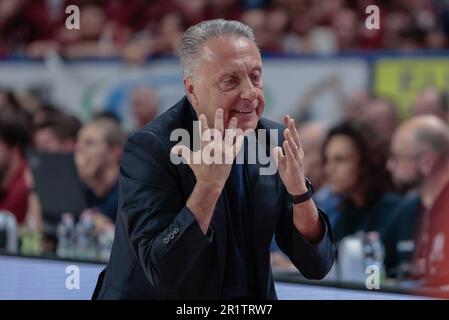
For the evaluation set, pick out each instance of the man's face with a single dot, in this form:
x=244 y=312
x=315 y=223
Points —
x=403 y=161
x=381 y=117
x=228 y=76
x=342 y=164
x=91 y=152
x=144 y=105
x=46 y=141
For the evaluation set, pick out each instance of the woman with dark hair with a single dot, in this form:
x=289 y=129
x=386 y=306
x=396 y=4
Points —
x=354 y=165
x=16 y=182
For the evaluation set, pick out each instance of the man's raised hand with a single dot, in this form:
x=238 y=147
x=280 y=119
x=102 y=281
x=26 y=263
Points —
x=291 y=165
x=212 y=163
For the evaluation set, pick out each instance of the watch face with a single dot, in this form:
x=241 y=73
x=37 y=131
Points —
x=309 y=185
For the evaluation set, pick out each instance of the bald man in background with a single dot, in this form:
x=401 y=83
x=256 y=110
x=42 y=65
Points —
x=417 y=239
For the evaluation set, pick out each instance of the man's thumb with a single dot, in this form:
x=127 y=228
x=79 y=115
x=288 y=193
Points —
x=277 y=154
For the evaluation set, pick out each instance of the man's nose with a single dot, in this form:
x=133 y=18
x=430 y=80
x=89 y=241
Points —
x=249 y=92
x=327 y=167
x=390 y=165
x=78 y=147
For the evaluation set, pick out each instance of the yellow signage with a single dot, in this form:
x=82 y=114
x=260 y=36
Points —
x=401 y=79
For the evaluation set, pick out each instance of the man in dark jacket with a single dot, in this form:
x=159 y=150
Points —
x=202 y=229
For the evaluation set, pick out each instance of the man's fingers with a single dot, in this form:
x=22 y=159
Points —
x=295 y=135
x=286 y=120
x=218 y=124
x=289 y=152
x=290 y=124
x=294 y=131
x=231 y=132
x=239 y=142
x=203 y=123
x=233 y=123
x=183 y=151
x=278 y=155
x=291 y=142
x=232 y=144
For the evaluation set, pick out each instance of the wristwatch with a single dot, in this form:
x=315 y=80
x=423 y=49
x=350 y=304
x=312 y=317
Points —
x=305 y=196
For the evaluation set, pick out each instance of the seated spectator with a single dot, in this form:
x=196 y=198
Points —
x=417 y=235
x=137 y=29
x=354 y=105
x=312 y=138
x=107 y=115
x=97 y=35
x=57 y=134
x=344 y=23
x=8 y=99
x=354 y=164
x=43 y=113
x=97 y=157
x=16 y=193
x=22 y=22
x=382 y=115
x=329 y=202
x=431 y=101
x=144 y=105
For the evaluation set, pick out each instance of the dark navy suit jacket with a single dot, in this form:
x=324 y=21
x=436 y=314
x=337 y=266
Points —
x=159 y=250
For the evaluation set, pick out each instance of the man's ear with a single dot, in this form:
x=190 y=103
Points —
x=115 y=154
x=190 y=91
x=427 y=163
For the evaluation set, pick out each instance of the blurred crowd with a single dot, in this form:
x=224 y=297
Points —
x=377 y=174
x=29 y=127
x=138 y=29
x=371 y=171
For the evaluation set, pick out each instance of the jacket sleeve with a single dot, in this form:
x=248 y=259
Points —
x=314 y=261
x=163 y=233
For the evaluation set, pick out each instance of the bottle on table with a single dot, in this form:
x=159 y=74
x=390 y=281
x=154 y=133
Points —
x=66 y=236
x=373 y=253
x=86 y=245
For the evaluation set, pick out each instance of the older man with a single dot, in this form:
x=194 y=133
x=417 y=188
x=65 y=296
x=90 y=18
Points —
x=202 y=229
x=417 y=239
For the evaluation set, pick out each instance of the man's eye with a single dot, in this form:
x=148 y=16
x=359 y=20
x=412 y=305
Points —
x=229 y=82
x=341 y=159
x=255 y=78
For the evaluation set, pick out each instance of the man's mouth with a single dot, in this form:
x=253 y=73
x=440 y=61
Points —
x=244 y=111
x=247 y=108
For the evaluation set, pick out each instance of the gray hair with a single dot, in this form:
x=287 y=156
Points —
x=435 y=135
x=193 y=38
